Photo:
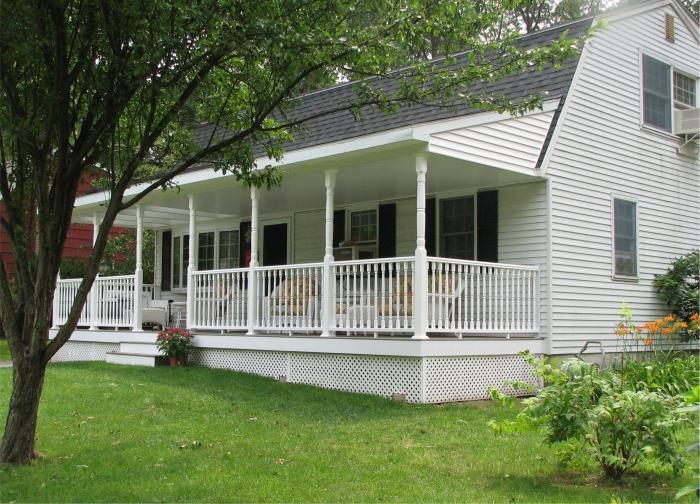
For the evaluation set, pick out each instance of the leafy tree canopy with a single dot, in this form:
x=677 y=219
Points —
x=118 y=87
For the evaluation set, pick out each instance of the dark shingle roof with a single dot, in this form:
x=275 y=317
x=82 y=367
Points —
x=336 y=126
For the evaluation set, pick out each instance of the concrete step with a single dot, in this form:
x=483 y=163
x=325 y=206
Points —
x=132 y=359
x=138 y=347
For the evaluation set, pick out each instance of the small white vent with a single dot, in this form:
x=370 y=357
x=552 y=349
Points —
x=686 y=122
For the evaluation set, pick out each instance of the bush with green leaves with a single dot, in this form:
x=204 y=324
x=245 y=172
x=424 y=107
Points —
x=587 y=410
x=679 y=287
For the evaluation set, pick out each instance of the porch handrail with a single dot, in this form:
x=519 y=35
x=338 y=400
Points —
x=448 y=260
x=113 y=312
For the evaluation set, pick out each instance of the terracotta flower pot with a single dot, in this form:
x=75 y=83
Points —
x=178 y=361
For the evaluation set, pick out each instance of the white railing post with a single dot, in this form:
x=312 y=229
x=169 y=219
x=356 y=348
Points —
x=138 y=274
x=92 y=296
x=327 y=284
x=56 y=296
x=252 y=284
x=190 y=262
x=420 y=283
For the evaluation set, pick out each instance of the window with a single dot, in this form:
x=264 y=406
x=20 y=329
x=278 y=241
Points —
x=181 y=252
x=205 y=249
x=625 y=238
x=657 y=93
x=363 y=226
x=683 y=91
x=177 y=262
x=457 y=228
x=664 y=89
x=228 y=249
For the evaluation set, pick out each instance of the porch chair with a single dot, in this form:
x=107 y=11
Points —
x=292 y=303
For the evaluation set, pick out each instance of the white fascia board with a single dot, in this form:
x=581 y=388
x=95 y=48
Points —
x=423 y=131
x=418 y=134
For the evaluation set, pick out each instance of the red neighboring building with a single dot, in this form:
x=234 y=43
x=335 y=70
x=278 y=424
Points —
x=78 y=241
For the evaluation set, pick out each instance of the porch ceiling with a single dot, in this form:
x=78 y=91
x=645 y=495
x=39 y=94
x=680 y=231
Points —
x=379 y=176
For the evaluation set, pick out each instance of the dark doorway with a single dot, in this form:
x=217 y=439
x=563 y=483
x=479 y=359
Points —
x=274 y=244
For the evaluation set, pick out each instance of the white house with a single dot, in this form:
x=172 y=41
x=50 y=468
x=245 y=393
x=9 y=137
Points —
x=417 y=253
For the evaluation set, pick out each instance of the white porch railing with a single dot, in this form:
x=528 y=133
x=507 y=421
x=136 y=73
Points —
x=288 y=297
x=113 y=302
x=63 y=301
x=369 y=296
x=220 y=299
x=374 y=295
x=476 y=297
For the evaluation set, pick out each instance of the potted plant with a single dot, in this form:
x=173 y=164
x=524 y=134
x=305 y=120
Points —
x=176 y=345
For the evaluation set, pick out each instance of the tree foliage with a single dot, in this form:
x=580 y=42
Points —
x=117 y=87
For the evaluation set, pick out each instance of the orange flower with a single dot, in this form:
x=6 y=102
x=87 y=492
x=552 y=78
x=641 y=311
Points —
x=666 y=330
x=648 y=341
x=695 y=318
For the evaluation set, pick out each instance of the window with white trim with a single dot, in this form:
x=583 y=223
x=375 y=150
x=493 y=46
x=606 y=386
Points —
x=663 y=89
x=625 y=238
x=181 y=259
x=363 y=226
x=229 y=246
x=206 y=249
x=457 y=228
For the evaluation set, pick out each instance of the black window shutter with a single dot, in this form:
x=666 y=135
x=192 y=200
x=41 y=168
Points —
x=386 y=246
x=338 y=227
x=487 y=226
x=166 y=259
x=430 y=227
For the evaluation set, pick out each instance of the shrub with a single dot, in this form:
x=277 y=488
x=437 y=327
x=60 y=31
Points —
x=588 y=410
x=680 y=286
x=175 y=342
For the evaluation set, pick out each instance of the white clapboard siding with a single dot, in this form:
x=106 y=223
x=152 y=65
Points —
x=511 y=144
x=601 y=150
x=522 y=233
x=309 y=236
x=405 y=227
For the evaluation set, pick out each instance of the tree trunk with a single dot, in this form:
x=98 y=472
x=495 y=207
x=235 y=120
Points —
x=20 y=428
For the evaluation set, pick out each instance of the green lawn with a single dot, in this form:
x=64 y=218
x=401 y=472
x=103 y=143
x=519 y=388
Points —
x=114 y=433
x=4 y=350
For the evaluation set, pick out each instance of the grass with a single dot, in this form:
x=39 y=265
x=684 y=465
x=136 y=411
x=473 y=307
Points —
x=4 y=350
x=114 y=433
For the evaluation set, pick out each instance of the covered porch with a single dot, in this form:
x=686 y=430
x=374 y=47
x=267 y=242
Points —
x=355 y=220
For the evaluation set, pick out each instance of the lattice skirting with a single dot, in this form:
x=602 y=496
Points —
x=418 y=379
x=84 y=351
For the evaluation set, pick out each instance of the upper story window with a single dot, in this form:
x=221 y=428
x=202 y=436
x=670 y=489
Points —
x=663 y=90
x=363 y=226
x=683 y=91
x=625 y=238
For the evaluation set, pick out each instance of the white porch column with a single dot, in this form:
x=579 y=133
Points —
x=92 y=298
x=327 y=294
x=138 y=274
x=420 y=283
x=191 y=267
x=252 y=285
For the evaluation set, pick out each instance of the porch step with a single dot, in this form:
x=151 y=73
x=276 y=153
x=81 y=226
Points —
x=135 y=353
x=132 y=359
x=140 y=347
